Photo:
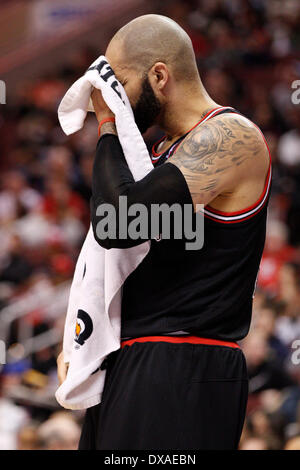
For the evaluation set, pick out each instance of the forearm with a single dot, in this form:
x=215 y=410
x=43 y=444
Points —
x=112 y=178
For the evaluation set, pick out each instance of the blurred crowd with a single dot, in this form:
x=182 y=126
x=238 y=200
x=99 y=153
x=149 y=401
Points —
x=248 y=57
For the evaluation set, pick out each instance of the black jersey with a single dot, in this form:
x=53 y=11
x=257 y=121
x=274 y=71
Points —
x=206 y=292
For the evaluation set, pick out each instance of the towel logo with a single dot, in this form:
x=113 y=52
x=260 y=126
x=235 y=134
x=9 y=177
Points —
x=84 y=327
x=104 y=66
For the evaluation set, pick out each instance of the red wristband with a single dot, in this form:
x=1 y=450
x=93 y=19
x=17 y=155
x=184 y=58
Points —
x=110 y=119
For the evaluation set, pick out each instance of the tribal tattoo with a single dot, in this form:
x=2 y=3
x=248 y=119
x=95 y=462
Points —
x=108 y=128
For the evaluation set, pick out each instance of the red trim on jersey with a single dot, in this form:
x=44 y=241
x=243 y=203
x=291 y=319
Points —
x=180 y=339
x=155 y=154
x=237 y=220
x=216 y=211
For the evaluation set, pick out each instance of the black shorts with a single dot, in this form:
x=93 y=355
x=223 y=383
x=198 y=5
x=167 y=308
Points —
x=168 y=396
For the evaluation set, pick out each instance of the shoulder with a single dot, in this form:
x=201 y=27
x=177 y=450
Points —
x=228 y=138
x=223 y=155
x=227 y=130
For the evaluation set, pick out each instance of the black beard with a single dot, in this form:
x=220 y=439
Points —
x=147 y=107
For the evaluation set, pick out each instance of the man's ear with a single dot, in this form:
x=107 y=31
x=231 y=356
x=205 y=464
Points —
x=159 y=76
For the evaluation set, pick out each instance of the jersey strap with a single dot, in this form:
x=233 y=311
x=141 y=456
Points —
x=158 y=158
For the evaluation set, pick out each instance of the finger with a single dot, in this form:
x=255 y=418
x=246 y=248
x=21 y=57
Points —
x=62 y=373
x=62 y=368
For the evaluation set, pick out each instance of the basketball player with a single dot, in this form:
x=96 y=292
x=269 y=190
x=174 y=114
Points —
x=179 y=381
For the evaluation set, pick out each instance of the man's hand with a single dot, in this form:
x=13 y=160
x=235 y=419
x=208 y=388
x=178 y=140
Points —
x=102 y=111
x=62 y=368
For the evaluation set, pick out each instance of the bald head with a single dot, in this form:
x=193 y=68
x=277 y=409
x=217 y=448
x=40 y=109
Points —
x=154 y=38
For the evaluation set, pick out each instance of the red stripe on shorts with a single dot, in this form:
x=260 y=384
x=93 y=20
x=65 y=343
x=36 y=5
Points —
x=180 y=339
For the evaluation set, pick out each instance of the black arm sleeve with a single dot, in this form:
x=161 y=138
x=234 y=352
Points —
x=112 y=178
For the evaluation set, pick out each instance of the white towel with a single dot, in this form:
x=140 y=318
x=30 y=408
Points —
x=92 y=327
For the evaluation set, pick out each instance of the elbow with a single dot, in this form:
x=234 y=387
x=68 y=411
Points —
x=104 y=239
x=101 y=237
x=106 y=228
x=113 y=242
x=109 y=243
x=105 y=242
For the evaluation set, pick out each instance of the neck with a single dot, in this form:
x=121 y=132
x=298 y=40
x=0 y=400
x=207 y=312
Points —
x=184 y=110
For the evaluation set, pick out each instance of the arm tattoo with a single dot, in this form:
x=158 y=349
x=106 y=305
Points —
x=108 y=128
x=213 y=151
